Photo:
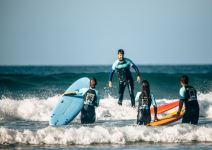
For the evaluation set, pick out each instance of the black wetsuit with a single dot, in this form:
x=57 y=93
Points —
x=191 y=106
x=125 y=78
x=144 y=115
x=88 y=114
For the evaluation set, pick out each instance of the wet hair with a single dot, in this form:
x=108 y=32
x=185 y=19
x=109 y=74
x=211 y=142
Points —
x=145 y=87
x=121 y=51
x=94 y=79
x=184 y=79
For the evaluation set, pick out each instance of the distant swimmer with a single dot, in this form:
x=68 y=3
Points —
x=145 y=99
x=91 y=100
x=122 y=66
x=188 y=95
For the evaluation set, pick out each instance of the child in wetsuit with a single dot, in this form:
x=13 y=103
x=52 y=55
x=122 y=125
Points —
x=91 y=100
x=188 y=95
x=145 y=99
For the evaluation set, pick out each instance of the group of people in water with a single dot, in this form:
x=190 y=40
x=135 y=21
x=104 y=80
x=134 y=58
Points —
x=145 y=98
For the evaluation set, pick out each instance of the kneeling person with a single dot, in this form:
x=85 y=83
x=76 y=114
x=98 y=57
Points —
x=145 y=99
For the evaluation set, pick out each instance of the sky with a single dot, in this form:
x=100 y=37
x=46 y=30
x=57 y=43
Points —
x=89 y=32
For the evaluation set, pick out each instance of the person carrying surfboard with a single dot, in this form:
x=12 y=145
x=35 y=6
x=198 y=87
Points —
x=91 y=100
x=188 y=95
x=145 y=100
x=122 y=66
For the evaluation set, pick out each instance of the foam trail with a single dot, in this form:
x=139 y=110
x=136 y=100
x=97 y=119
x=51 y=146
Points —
x=28 y=109
x=205 y=103
x=35 y=109
x=108 y=135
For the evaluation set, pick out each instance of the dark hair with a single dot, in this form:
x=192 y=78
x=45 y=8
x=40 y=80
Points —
x=145 y=87
x=121 y=51
x=184 y=79
x=94 y=79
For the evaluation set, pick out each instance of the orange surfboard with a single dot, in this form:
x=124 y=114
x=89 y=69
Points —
x=166 y=107
x=172 y=117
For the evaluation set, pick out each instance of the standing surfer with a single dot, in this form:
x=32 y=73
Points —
x=122 y=66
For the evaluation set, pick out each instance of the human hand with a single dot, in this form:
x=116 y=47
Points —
x=110 y=84
x=156 y=119
x=138 y=79
x=178 y=113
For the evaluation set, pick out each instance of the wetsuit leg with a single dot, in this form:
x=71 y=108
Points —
x=130 y=86
x=143 y=117
x=122 y=86
x=140 y=117
x=148 y=117
x=191 y=116
x=195 y=117
x=88 y=115
x=82 y=117
x=186 y=117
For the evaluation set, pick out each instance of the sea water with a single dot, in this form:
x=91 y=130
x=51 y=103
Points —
x=29 y=93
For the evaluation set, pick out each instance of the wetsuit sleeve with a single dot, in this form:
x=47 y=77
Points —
x=153 y=100
x=98 y=98
x=137 y=96
x=82 y=91
x=111 y=75
x=133 y=66
x=136 y=69
x=113 y=70
x=182 y=93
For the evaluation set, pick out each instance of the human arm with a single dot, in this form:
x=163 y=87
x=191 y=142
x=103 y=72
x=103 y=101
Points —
x=182 y=99
x=137 y=96
x=136 y=69
x=110 y=78
x=138 y=73
x=155 y=107
x=76 y=92
x=70 y=93
x=97 y=98
x=180 y=107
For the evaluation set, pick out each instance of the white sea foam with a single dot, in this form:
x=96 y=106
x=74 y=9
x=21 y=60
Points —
x=181 y=133
x=39 y=110
x=35 y=109
x=28 y=109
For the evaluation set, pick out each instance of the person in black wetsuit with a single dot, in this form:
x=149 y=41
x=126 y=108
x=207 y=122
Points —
x=145 y=99
x=188 y=95
x=122 y=66
x=91 y=100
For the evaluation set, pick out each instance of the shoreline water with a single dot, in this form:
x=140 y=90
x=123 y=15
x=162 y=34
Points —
x=28 y=94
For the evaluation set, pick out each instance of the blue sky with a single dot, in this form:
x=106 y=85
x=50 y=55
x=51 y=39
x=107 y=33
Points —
x=89 y=32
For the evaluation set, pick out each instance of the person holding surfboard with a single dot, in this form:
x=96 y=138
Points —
x=91 y=100
x=122 y=66
x=188 y=95
x=145 y=100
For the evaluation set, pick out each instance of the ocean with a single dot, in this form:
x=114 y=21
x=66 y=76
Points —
x=29 y=93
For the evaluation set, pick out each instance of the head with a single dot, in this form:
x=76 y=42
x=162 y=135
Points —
x=93 y=82
x=120 y=54
x=184 y=80
x=145 y=87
